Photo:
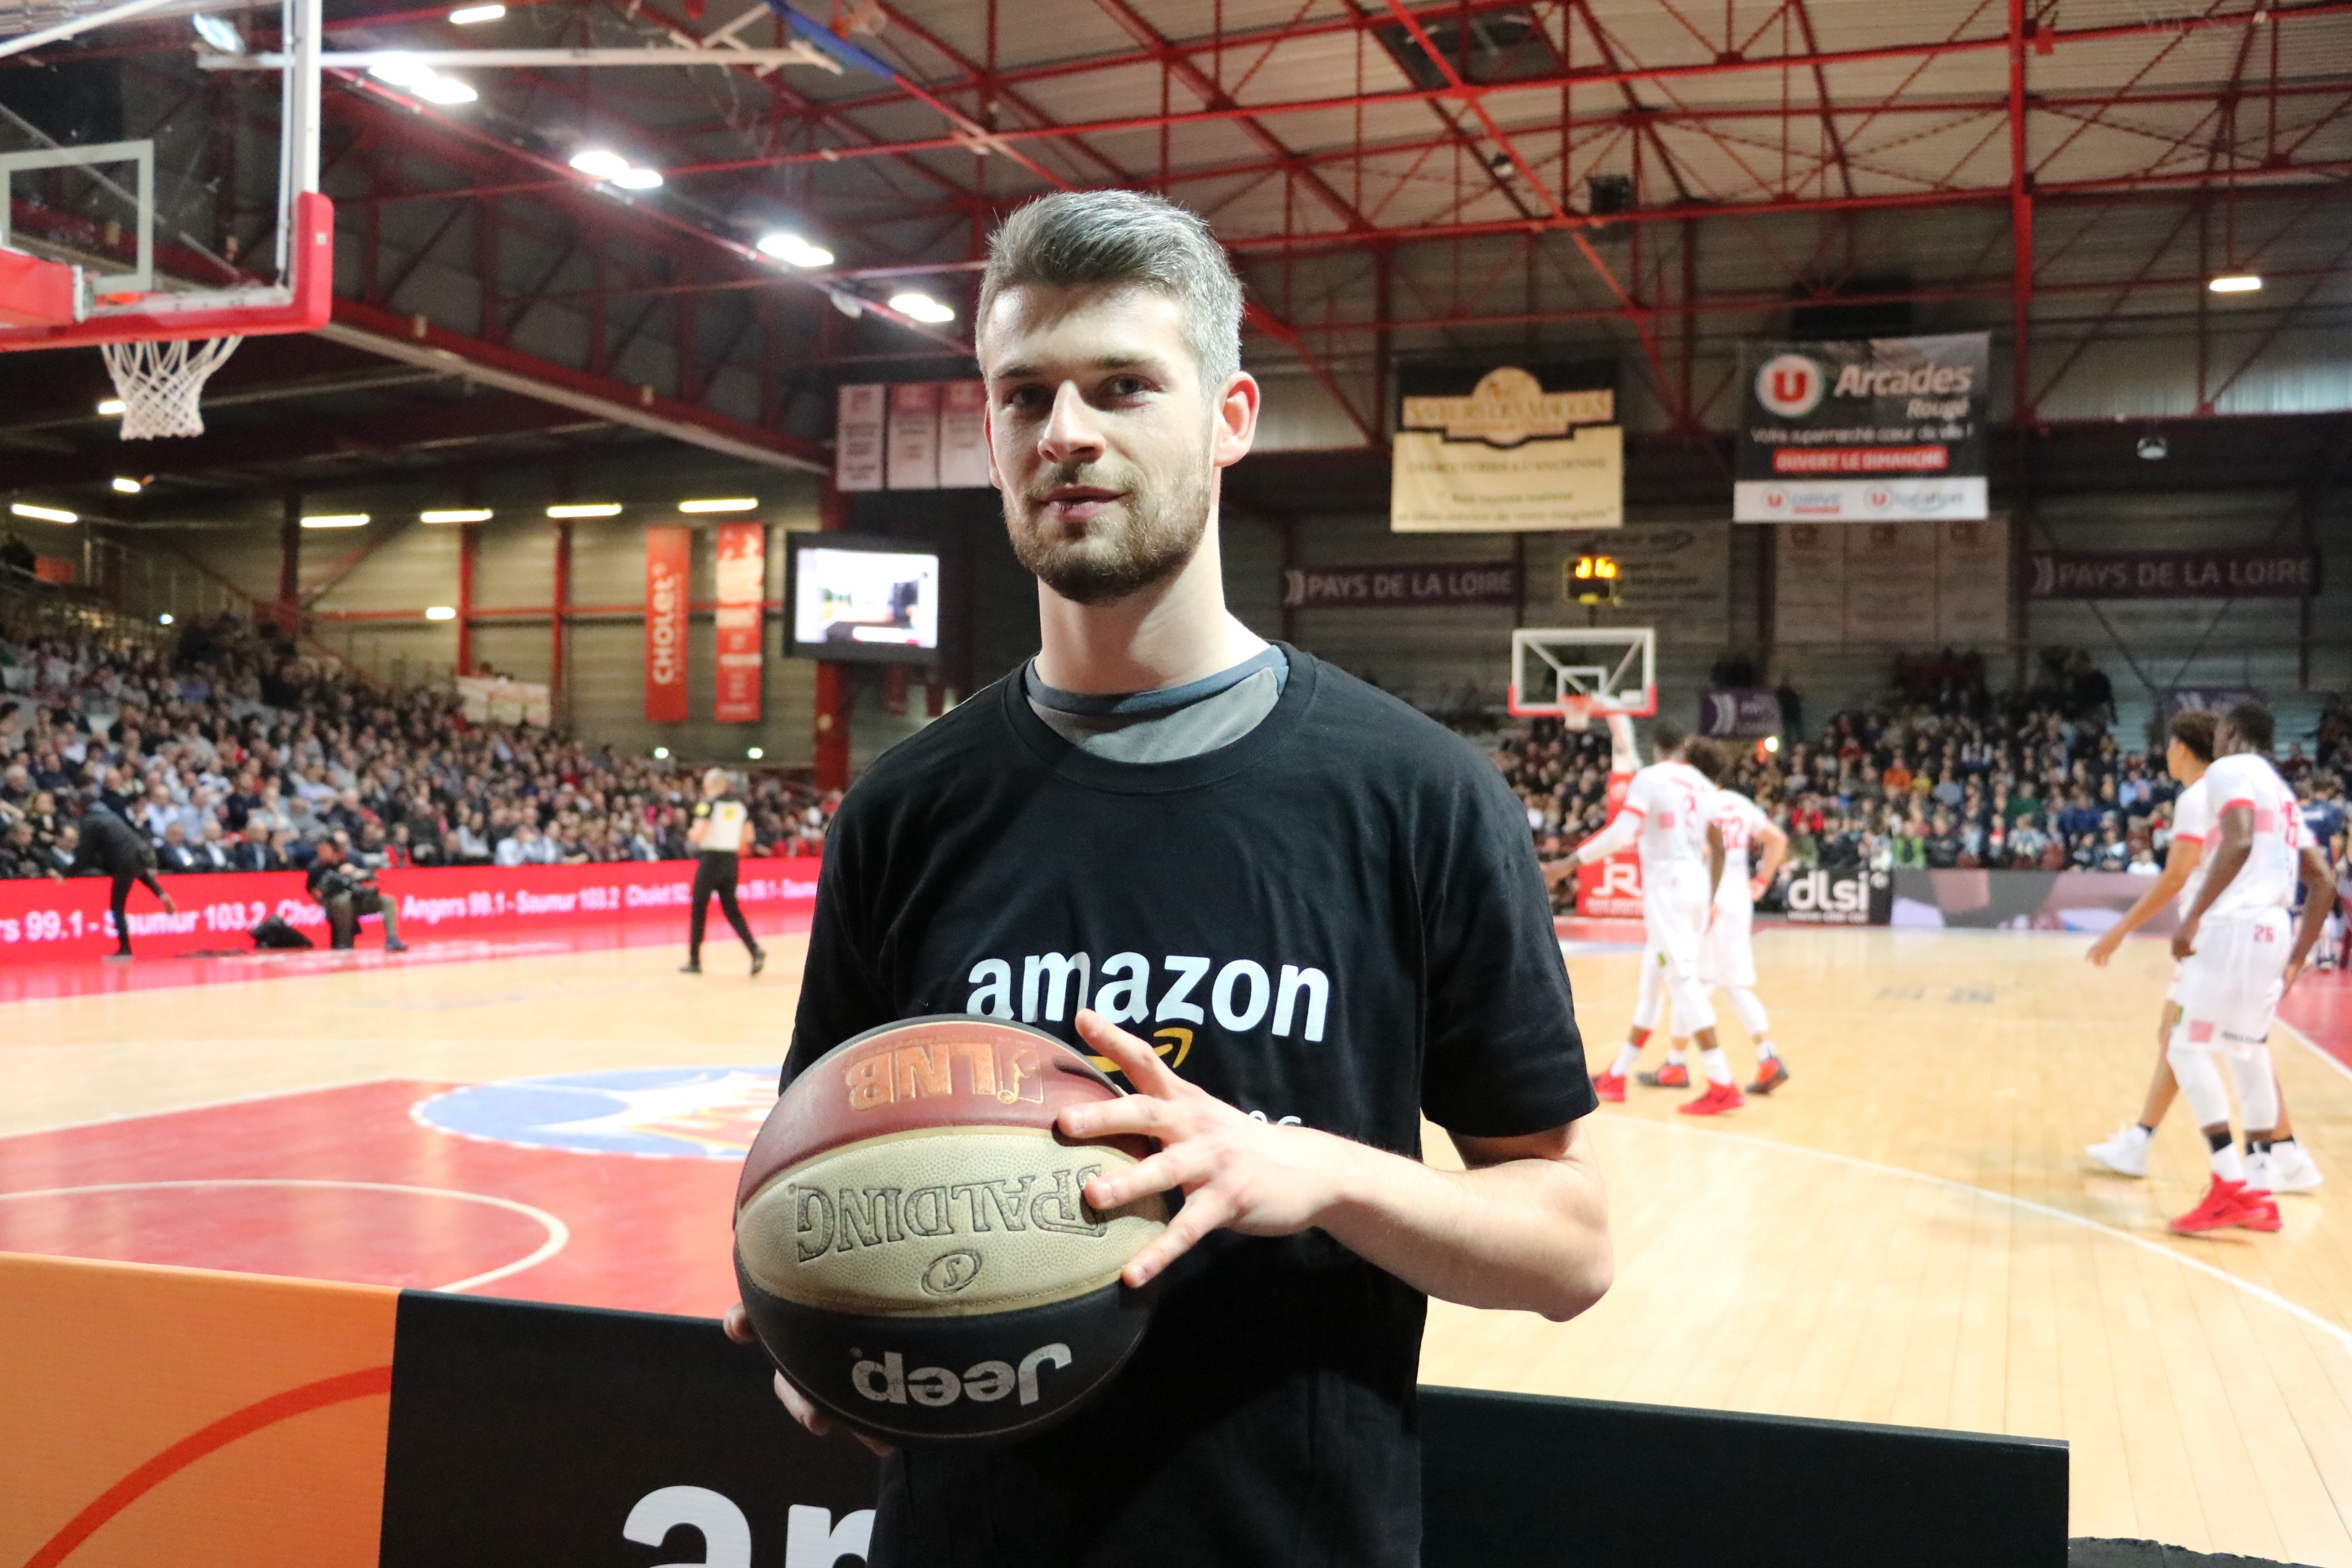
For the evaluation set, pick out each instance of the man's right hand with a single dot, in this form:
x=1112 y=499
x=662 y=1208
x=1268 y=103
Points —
x=737 y=1324
x=2104 y=948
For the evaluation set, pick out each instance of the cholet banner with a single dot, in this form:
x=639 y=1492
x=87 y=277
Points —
x=1506 y=448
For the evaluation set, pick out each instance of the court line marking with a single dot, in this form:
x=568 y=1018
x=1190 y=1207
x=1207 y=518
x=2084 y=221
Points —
x=2342 y=1336
x=253 y=1099
x=559 y=1235
x=2314 y=1047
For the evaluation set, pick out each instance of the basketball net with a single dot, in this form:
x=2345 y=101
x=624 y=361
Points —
x=160 y=383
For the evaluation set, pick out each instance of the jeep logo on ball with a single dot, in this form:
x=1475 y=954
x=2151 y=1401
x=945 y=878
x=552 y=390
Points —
x=887 y=1381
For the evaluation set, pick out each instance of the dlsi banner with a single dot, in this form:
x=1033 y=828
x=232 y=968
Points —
x=1508 y=448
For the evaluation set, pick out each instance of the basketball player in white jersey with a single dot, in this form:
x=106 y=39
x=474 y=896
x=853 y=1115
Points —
x=2187 y=756
x=2239 y=951
x=1727 y=957
x=1668 y=816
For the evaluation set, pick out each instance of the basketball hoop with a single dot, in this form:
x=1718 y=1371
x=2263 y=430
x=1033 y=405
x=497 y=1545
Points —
x=1576 y=715
x=162 y=384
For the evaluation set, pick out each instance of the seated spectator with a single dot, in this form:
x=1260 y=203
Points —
x=173 y=856
x=213 y=851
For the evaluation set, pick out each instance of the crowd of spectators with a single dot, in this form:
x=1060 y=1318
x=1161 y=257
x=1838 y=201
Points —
x=232 y=753
x=1943 y=773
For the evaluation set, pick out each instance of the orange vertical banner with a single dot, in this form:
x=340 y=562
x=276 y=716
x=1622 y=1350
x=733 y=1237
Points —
x=668 y=560
x=743 y=590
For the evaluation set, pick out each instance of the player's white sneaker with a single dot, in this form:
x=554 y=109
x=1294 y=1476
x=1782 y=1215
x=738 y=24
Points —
x=2126 y=1153
x=2291 y=1169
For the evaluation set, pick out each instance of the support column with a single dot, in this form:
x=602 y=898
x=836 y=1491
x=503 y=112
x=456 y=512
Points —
x=833 y=684
x=468 y=549
x=290 y=563
x=559 y=615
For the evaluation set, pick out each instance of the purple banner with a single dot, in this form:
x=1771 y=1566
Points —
x=1740 y=713
x=2260 y=574
x=1399 y=587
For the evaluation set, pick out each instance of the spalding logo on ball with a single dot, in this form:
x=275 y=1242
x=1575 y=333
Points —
x=910 y=1239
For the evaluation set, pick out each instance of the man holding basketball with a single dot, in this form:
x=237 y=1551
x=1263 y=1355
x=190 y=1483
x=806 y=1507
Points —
x=1294 y=913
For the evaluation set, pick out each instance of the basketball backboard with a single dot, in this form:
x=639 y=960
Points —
x=138 y=190
x=1576 y=672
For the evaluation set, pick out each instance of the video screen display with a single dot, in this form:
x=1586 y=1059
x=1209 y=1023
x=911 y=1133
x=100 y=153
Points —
x=865 y=599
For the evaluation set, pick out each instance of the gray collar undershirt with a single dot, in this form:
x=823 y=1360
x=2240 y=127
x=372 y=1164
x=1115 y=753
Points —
x=1167 y=725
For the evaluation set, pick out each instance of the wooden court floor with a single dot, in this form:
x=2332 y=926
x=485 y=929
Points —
x=1908 y=1234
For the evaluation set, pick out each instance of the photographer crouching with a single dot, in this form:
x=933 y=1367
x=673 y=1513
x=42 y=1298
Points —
x=349 y=894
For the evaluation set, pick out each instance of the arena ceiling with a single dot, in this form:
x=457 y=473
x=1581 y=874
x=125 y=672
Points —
x=1642 y=180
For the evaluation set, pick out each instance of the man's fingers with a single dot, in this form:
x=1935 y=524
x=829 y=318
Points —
x=737 y=1324
x=1146 y=1073
x=1204 y=1212
x=1162 y=1172
x=802 y=1410
x=1135 y=1113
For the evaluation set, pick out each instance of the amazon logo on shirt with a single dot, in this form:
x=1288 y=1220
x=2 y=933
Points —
x=1240 y=994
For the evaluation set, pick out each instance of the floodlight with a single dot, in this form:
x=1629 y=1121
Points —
x=467 y=15
x=111 y=407
x=440 y=611
x=587 y=508
x=164 y=619
x=42 y=513
x=600 y=164
x=921 y=308
x=755 y=753
x=2235 y=283
x=337 y=520
x=218 y=35
x=737 y=504
x=456 y=514
x=125 y=486
x=794 y=251
x=635 y=179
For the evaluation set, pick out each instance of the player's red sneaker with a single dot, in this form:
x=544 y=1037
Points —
x=2260 y=1211
x=1770 y=1074
x=2229 y=1203
x=1718 y=1098
x=1610 y=1086
x=1673 y=1075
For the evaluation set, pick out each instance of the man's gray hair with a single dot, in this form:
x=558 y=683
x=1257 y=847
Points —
x=1078 y=238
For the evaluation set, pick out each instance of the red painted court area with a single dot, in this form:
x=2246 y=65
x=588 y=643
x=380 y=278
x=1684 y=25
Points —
x=343 y=1184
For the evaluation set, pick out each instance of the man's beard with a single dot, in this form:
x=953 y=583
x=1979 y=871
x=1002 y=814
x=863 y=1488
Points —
x=1144 y=540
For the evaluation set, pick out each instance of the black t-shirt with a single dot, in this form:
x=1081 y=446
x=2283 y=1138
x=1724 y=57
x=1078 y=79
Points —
x=1336 y=918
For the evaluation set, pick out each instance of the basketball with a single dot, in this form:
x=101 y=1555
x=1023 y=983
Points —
x=911 y=1244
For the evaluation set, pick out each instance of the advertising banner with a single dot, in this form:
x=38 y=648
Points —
x=179 y=1416
x=1510 y=449
x=43 y=921
x=2022 y=900
x=669 y=556
x=857 y=437
x=915 y=435
x=1396 y=587
x=1889 y=583
x=2288 y=571
x=963 y=435
x=1858 y=430
x=1740 y=713
x=495 y=700
x=743 y=587
x=1853 y=898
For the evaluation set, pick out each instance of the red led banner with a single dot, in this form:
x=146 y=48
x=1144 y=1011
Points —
x=668 y=559
x=742 y=584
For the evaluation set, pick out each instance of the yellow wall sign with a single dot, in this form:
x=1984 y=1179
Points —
x=1510 y=456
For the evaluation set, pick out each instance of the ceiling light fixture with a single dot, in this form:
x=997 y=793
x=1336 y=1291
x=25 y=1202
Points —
x=440 y=611
x=755 y=753
x=921 y=308
x=635 y=179
x=661 y=753
x=794 y=251
x=467 y=15
x=399 y=70
x=2235 y=283
x=126 y=486
x=456 y=514
x=337 y=520
x=110 y=408
x=164 y=619
x=600 y=162
x=587 y=508
x=42 y=513
x=737 y=503
x=218 y=34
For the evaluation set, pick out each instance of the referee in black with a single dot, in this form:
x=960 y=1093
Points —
x=722 y=828
x=112 y=847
